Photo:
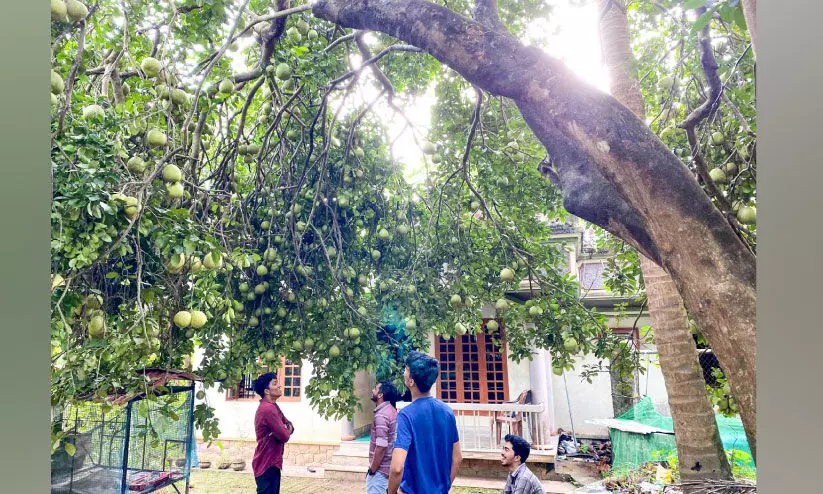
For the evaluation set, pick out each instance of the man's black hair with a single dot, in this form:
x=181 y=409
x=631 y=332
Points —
x=262 y=383
x=520 y=446
x=390 y=393
x=423 y=370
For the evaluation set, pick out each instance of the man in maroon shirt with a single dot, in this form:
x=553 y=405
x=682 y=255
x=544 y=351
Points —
x=273 y=431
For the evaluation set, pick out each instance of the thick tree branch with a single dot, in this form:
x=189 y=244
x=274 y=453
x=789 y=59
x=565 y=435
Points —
x=485 y=12
x=613 y=171
x=498 y=63
x=708 y=65
x=272 y=33
x=155 y=42
x=251 y=75
x=102 y=70
x=117 y=86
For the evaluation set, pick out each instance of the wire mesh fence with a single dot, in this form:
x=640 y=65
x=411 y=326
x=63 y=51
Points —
x=140 y=446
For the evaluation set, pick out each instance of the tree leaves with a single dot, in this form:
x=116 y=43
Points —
x=739 y=18
x=283 y=207
x=703 y=20
x=693 y=4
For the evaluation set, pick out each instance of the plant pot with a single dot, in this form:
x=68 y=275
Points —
x=205 y=464
x=180 y=462
x=238 y=465
x=224 y=465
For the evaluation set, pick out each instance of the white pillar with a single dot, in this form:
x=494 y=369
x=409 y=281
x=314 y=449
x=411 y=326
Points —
x=541 y=392
x=547 y=360
x=347 y=430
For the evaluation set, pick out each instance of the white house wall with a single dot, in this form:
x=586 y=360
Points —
x=588 y=401
x=364 y=383
x=652 y=384
x=518 y=376
x=237 y=416
x=591 y=401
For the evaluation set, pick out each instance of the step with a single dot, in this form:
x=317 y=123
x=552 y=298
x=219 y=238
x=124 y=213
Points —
x=345 y=472
x=353 y=447
x=340 y=459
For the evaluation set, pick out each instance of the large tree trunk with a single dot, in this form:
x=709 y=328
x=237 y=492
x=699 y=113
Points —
x=611 y=169
x=699 y=448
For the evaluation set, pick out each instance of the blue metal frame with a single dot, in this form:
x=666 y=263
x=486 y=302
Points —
x=124 y=486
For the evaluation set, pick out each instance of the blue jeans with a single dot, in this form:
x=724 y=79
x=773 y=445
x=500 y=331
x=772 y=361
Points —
x=377 y=483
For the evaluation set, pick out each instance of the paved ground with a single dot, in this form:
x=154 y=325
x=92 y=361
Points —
x=228 y=482
x=300 y=480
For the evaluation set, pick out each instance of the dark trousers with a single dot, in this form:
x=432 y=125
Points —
x=269 y=482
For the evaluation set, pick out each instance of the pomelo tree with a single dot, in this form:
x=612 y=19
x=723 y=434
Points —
x=226 y=183
x=612 y=170
x=224 y=161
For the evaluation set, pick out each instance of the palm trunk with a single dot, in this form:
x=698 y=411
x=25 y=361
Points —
x=612 y=170
x=699 y=449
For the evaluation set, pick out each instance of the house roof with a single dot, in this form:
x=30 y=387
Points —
x=557 y=228
x=589 y=244
x=629 y=426
x=166 y=375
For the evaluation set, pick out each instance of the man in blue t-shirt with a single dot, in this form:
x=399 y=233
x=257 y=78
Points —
x=426 y=452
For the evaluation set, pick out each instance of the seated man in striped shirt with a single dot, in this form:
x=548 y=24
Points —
x=521 y=480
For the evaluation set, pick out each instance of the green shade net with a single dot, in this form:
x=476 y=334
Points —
x=631 y=450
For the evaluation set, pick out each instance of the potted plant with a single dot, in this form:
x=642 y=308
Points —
x=223 y=463
x=204 y=464
x=238 y=464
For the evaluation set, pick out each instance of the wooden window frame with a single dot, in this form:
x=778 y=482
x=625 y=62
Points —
x=233 y=394
x=281 y=377
x=240 y=392
x=635 y=332
x=481 y=356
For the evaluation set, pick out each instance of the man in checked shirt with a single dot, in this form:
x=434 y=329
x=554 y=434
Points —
x=382 y=438
x=521 y=480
